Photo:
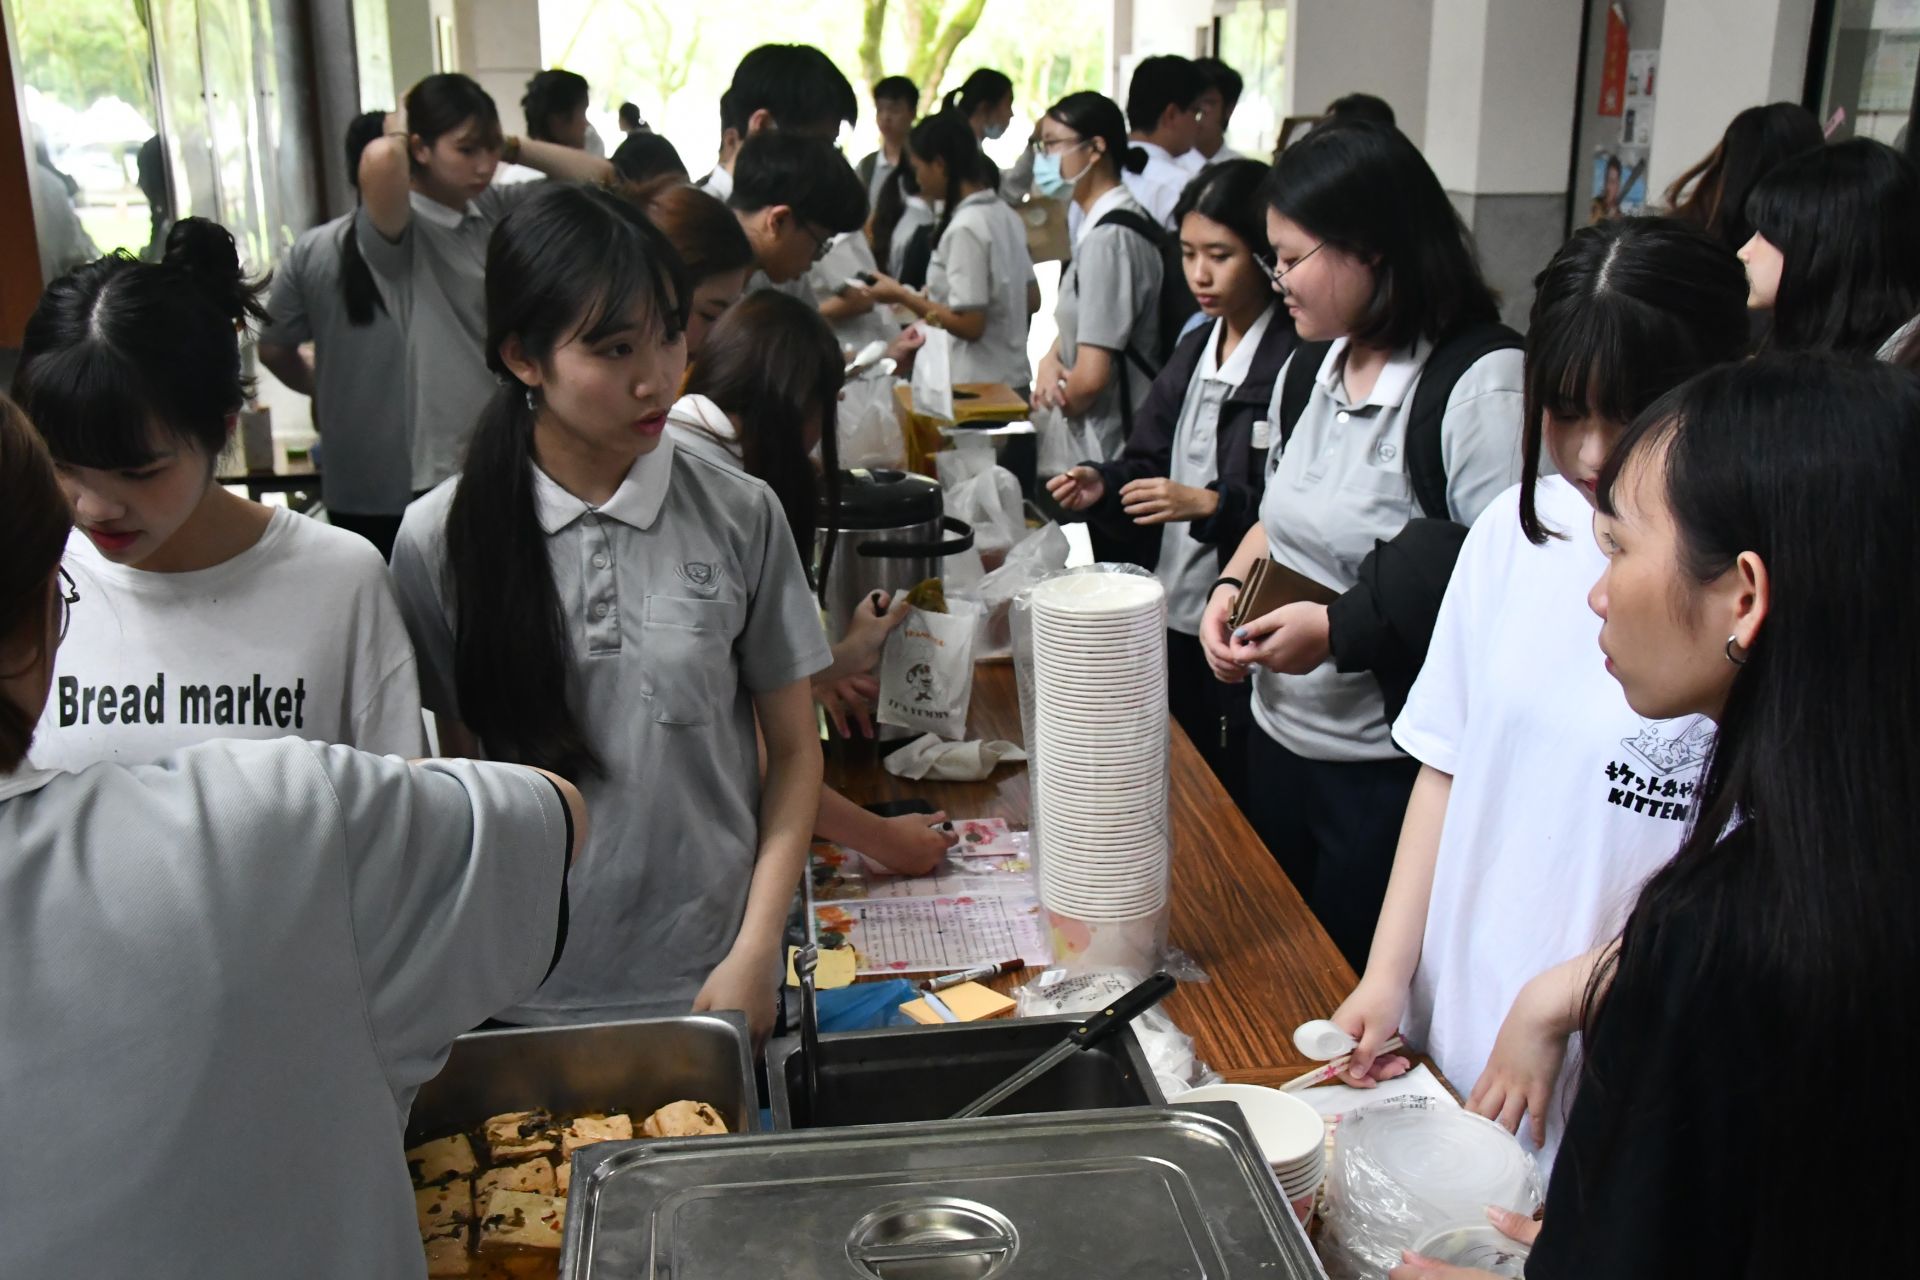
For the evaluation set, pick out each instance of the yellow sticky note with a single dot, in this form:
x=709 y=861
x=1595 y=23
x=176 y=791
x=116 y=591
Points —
x=836 y=968
x=969 y=1001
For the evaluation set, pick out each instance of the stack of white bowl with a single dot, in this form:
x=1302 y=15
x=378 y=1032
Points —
x=1100 y=764
x=1291 y=1134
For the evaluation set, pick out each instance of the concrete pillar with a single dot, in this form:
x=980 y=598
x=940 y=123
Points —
x=410 y=39
x=1718 y=57
x=1499 y=126
x=1337 y=47
x=499 y=43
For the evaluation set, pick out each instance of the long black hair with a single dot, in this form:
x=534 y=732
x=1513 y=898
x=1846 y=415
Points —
x=1713 y=193
x=1095 y=115
x=1843 y=217
x=1364 y=189
x=357 y=287
x=34 y=523
x=1626 y=311
x=443 y=103
x=772 y=362
x=946 y=136
x=120 y=348
x=1796 y=881
x=982 y=88
x=569 y=263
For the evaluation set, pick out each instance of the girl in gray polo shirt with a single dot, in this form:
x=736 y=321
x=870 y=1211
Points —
x=589 y=596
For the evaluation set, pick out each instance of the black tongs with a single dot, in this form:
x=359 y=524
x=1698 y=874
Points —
x=1099 y=1027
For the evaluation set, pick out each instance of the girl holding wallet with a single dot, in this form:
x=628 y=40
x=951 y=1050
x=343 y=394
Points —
x=1194 y=468
x=1378 y=273
x=1543 y=800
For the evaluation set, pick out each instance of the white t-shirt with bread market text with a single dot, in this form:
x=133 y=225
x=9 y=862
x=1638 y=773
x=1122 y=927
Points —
x=298 y=636
x=1564 y=800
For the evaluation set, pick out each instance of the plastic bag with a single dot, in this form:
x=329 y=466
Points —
x=933 y=374
x=1382 y=1197
x=1169 y=1050
x=926 y=671
x=985 y=495
x=1036 y=557
x=1055 y=445
x=869 y=434
x=866 y=1005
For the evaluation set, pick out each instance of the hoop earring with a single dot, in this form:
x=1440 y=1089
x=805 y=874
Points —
x=1738 y=662
x=534 y=408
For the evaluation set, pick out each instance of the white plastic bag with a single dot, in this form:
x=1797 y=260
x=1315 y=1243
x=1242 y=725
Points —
x=926 y=671
x=1033 y=559
x=869 y=434
x=985 y=495
x=1056 y=449
x=933 y=374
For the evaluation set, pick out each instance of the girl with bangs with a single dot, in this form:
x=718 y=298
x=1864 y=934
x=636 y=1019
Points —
x=1543 y=801
x=589 y=597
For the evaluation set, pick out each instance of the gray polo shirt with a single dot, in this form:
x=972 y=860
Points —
x=1339 y=486
x=223 y=975
x=684 y=597
x=360 y=377
x=433 y=280
x=1110 y=297
x=981 y=264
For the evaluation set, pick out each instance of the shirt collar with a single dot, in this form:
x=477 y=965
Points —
x=24 y=780
x=978 y=197
x=703 y=421
x=439 y=214
x=1114 y=199
x=1389 y=389
x=720 y=184
x=1153 y=149
x=1240 y=363
x=636 y=502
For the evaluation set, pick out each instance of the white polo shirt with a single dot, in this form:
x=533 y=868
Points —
x=1339 y=486
x=981 y=264
x=210 y=1041
x=684 y=596
x=1158 y=186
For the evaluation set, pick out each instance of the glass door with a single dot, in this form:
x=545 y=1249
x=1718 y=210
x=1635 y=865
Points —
x=1871 y=56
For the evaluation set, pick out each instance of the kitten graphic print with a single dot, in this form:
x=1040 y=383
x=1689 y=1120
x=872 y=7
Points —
x=1659 y=768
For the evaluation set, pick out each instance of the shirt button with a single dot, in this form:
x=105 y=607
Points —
x=601 y=610
x=600 y=560
x=1341 y=416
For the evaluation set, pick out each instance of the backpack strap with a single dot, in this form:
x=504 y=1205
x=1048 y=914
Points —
x=1298 y=387
x=1449 y=361
x=1154 y=236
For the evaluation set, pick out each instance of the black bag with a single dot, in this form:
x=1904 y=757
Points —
x=1450 y=359
x=1175 y=305
x=917 y=258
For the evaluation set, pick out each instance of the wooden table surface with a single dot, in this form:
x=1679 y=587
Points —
x=1235 y=913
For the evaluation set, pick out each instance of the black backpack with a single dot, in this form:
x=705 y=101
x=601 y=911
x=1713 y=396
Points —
x=1173 y=308
x=1450 y=359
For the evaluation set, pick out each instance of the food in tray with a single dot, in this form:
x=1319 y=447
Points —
x=519 y=1134
x=517 y=1221
x=587 y=1130
x=507 y=1218
x=441 y=1160
x=535 y=1175
x=683 y=1120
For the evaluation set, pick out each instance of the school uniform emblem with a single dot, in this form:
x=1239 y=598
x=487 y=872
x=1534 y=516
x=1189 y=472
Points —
x=698 y=573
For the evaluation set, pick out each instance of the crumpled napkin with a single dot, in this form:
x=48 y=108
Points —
x=931 y=756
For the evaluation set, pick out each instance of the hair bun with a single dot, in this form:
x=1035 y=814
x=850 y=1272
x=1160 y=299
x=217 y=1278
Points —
x=1135 y=161
x=205 y=251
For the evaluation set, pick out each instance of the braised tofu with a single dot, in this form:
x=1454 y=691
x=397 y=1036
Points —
x=519 y=1134
x=588 y=1130
x=442 y=1160
x=683 y=1120
x=534 y=1175
x=449 y=1256
x=519 y=1221
x=443 y=1209
x=563 y=1177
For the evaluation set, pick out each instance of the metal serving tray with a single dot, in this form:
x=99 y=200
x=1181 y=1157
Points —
x=1139 y=1194
x=636 y=1066
x=900 y=1074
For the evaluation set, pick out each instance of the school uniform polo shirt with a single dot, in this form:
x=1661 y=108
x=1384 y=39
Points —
x=359 y=376
x=1158 y=186
x=1339 y=486
x=222 y=977
x=718 y=184
x=433 y=281
x=981 y=264
x=684 y=596
x=1110 y=297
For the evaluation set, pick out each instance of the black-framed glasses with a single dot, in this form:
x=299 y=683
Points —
x=1047 y=146
x=69 y=597
x=822 y=241
x=1274 y=274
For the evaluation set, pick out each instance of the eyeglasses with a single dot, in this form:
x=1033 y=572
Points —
x=822 y=241
x=69 y=597
x=1057 y=146
x=1275 y=276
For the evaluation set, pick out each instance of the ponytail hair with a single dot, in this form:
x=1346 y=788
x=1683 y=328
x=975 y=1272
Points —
x=34 y=523
x=119 y=349
x=357 y=289
x=946 y=136
x=570 y=263
x=981 y=89
x=772 y=362
x=1096 y=116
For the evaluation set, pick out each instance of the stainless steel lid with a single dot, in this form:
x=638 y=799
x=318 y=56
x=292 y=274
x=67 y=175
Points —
x=1166 y=1193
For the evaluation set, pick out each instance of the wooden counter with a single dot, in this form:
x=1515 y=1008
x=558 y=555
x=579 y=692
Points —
x=1235 y=912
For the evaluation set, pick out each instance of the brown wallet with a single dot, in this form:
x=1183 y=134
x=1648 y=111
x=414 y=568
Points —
x=1271 y=584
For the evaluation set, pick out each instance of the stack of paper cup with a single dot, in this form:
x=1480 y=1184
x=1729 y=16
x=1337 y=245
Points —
x=1100 y=765
x=1291 y=1134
